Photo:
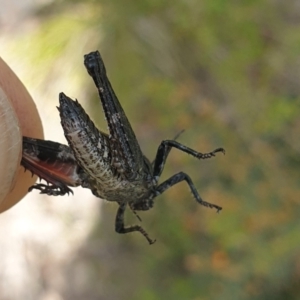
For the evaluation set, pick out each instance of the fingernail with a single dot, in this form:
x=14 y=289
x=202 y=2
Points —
x=10 y=145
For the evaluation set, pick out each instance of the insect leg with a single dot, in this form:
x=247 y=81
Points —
x=51 y=190
x=180 y=177
x=164 y=149
x=120 y=228
x=169 y=149
x=53 y=162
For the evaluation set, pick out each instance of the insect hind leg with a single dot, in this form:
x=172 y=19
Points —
x=120 y=227
x=178 y=178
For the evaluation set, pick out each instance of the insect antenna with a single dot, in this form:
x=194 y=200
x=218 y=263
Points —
x=135 y=213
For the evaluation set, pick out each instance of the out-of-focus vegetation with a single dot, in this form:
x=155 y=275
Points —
x=228 y=73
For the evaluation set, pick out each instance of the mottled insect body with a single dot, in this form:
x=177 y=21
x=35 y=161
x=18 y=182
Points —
x=111 y=165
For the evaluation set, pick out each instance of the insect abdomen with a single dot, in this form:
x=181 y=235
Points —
x=90 y=146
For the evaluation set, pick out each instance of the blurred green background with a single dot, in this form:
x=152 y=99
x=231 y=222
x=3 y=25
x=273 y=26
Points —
x=228 y=73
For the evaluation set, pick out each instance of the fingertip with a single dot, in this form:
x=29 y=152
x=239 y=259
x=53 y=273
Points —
x=10 y=146
x=24 y=120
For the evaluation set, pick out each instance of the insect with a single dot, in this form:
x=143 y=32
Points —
x=111 y=165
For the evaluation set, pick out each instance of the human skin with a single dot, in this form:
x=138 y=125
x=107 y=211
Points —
x=18 y=117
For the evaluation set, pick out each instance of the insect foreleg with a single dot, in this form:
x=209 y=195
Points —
x=164 y=149
x=120 y=227
x=180 y=177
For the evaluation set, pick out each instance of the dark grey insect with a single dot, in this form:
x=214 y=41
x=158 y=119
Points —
x=111 y=165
